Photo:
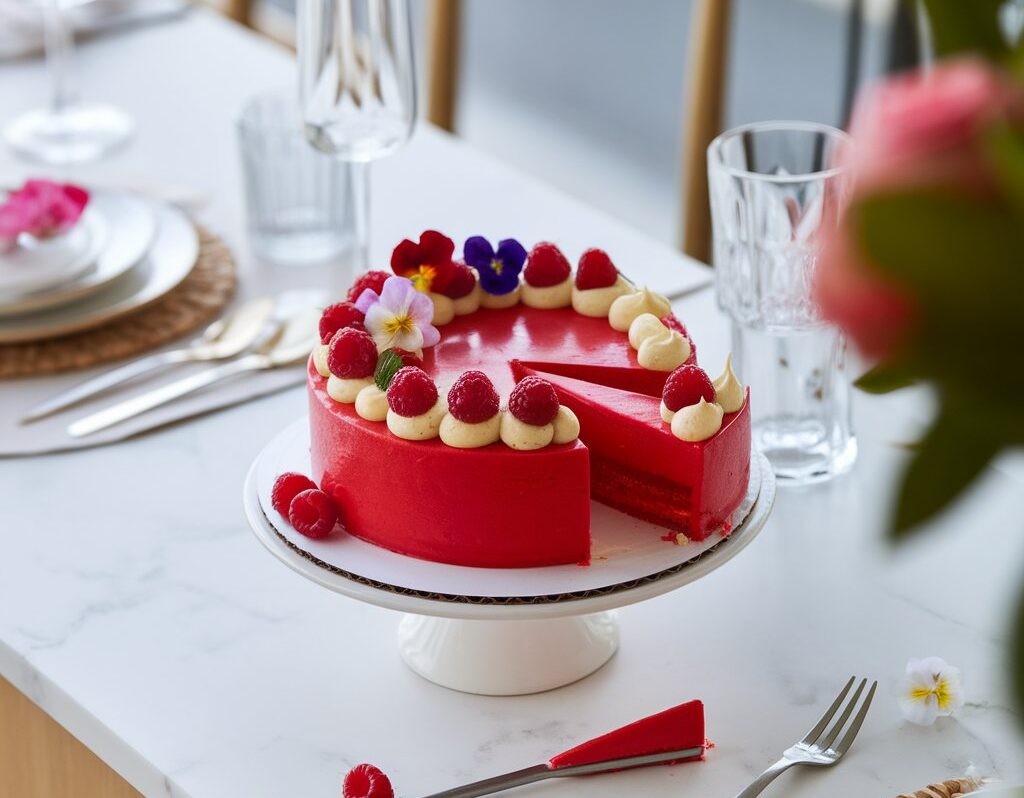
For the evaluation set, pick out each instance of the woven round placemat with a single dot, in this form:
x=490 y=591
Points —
x=197 y=300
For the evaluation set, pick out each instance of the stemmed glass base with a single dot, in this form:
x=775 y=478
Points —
x=75 y=134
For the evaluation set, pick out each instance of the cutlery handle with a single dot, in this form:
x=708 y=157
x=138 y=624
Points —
x=518 y=778
x=164 y=394
x=106 y=381
x=766 y=778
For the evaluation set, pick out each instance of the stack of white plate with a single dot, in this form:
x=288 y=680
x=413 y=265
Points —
x=125 y=253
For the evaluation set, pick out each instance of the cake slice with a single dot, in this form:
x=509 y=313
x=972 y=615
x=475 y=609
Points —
x=675 y=729
x=639 y=467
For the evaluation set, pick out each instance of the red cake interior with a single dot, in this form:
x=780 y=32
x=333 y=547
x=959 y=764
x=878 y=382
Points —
x=675 y=729
x=639 y=467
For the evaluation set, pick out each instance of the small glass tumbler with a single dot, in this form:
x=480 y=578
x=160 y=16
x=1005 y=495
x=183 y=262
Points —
x=775 y=189
x=299 y=201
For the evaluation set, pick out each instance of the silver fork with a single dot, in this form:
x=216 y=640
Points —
x=819 y=747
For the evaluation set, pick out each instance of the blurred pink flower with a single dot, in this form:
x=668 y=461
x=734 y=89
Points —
x=42 y=209
x=912 y=131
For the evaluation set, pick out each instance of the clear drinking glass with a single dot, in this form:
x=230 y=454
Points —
x=775 y=188
x=299 y=201
x=68 y=130
x=357 y=86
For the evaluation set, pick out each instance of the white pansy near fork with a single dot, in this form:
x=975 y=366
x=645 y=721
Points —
x=819 y=747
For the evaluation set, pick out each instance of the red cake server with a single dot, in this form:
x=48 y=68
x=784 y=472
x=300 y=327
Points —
x=675 y=735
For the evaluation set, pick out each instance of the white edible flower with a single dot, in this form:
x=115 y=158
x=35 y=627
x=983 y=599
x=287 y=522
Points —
x=932 y=688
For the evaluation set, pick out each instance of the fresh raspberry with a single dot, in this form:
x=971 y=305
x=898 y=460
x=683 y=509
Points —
x=374 y=280
x=412 y=392
x=546 y=266
x=472 y=398
x=312 y=513
x=673 y=323
x=533 y=401
x=352 y=354
x=337 y=317
x=367 y=781
x=686 y=386
x=595 y=270
x=287 y=487
x=408 y=358
x=461 y=281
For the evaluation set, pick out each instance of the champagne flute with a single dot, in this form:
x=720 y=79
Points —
x=357 y=87
x=69 y=130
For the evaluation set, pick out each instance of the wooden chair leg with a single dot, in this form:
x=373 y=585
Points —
x=709 y=46
x=40 y=759
x=240 y=11
x=443 y=73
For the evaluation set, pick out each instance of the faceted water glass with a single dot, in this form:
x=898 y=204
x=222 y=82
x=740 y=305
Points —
x=775 y=188
x=357 y=87
x=299 y=201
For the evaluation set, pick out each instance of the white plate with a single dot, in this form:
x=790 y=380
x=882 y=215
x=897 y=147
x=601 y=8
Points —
x=129 y=225
x=168 y=262
x=43 y=264
x=630 y=562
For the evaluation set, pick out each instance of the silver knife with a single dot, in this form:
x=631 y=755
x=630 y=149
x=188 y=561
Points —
x=224 y=338
x=290 y=344
x=519 y=778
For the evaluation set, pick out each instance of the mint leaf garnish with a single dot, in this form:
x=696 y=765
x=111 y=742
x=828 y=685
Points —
x=388 y=365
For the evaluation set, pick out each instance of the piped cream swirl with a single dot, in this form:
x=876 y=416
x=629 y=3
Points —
x=566 y=426
x=418 y=428
x=522 y=436
x=644 y=326
x=729 y=391
x=372 y=403
x=663 y=352
x=627 y=307
x=657 y=347
x=320 y=360
x=498 y=301
x=697 y=422
x=470 y=303
x=597 y=302
x=462 y=435
x=345 y=390
x=548 y=297
x=444 y=309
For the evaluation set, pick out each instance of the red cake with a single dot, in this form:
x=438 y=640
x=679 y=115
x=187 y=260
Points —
x=580 y=388
x=676 y=729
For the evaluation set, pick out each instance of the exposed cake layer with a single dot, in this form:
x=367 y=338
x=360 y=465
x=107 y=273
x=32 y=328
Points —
x=638 y=468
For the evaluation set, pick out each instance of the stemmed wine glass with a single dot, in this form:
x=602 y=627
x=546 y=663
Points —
x=69 y=130
x=357 y=87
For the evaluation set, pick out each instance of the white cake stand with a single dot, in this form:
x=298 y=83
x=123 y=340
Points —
x=501 y=631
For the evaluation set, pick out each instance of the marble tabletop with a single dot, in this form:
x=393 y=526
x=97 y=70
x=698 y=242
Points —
x=138 y=610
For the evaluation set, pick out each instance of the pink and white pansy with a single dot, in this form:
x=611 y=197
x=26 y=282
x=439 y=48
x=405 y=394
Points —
x=400 y=316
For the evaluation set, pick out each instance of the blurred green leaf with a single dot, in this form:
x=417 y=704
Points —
x=962 y=260
x=960 y=26
x=1006 y=149
x=950 y=250
x=947 y=460
x=884 y=378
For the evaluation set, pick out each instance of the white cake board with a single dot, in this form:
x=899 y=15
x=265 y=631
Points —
x=501 y=631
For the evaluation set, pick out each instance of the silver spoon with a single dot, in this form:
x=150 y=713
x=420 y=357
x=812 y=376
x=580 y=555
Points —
x=225 y=338
x=290 y=343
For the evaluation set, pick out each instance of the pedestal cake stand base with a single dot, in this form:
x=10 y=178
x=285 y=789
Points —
x=496 y=631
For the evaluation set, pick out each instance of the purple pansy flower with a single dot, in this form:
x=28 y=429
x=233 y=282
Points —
x=399 y=317
x=499 y=270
